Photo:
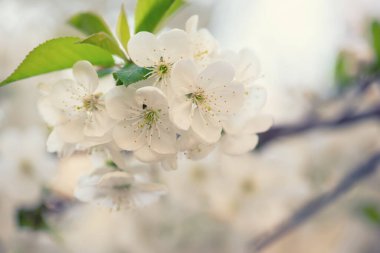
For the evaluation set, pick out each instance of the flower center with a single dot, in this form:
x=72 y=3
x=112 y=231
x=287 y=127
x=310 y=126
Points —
x=160 y=71
x=163 y=69
x=92 y=102
x=199 y=98
x=150 y=117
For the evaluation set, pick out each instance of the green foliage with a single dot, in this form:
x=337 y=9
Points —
x=372 y=213
x=176 y=5
x=106 y=42
x=343 y=77
x=111 y=164
x=122 y=28
x=375 y=32
x=150 y=13
x=348 y=67
x=131 y=73
x=32 y=218
x=58 y=54
x=89 y=23
x=105 y=72
x=99 y=46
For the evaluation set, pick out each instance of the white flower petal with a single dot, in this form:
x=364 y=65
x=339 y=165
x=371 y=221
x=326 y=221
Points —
x=67 y=95
x=238 y=144
x=163 y=140
x=92 y=141
x=144 y=49
x=192 y=24
x=50 y=114
x=188 y=140
x=98 y=124
x=215 y=75
x=86 y=75
x=115 y=178
x=203 y=46
x=175 y=44
x=248 y=67
x=117 y=189
x=180 y=114
x=120 y=102
x=54 y=143
x=256 y=98
x=72 y=130
x=199 y=151
x=170 y=163
x=129 y=136
x=145 y=154
x=204 y=128
x=183 y=77
x=245 y=63
x=258 y=124
x=152 y=97
x=106 y=84
x=229 y=99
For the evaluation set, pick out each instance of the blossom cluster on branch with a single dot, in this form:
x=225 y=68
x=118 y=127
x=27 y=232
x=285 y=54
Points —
x=193 y=98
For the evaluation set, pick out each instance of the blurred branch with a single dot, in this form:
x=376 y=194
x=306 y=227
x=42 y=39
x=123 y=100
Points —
x=317 y=204
x=311 y=124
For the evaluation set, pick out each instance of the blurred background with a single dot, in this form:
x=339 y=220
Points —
x=314 y=57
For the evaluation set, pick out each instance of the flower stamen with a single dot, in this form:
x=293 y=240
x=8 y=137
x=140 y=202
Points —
x=150 y=118
x=92 y=102
x=200 y=99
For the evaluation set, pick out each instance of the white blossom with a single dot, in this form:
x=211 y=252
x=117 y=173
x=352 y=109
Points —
x=117 y=189
x=239 y=140
x=193 y=147
x=246 y=65
x=144 y=126
x=55 y=143
x=203 y=100
x=203 y=44
x=194 y=100
x=159 y=54
x=76 y=108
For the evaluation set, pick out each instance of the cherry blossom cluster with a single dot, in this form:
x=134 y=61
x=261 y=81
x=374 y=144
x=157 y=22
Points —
x=195 y=98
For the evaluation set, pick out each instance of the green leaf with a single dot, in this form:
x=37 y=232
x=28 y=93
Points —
x=150 y=13
x=89 y=23
x=173 y=8
x=105 y=72
x=122 y=28
x=58 y=54
x=131 y=73
x=32 y=218
x=106 y=42
x=372 y=213
x=342 y=75
x=375 y=30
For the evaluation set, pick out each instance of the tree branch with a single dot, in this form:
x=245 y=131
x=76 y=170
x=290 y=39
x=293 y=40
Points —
x=289 y=130
x=317 y=204
x=347 y=117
